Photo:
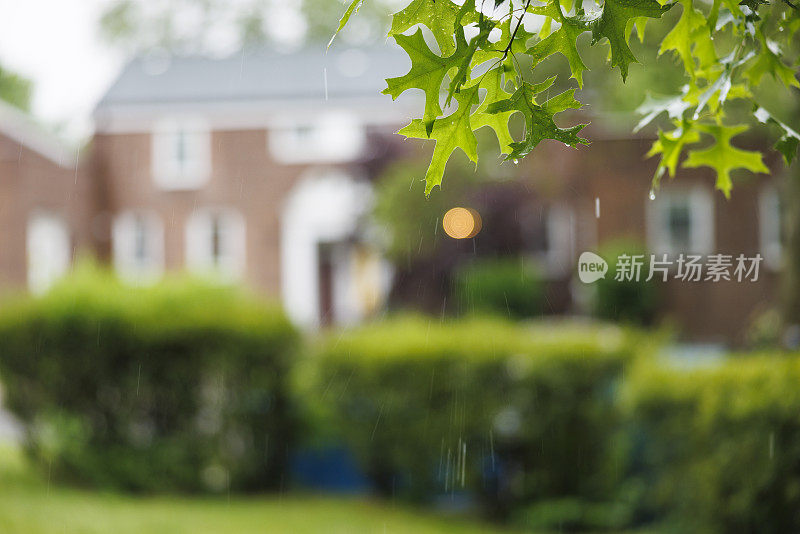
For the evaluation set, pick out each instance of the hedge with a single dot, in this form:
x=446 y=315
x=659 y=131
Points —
x=719 y=448
x=629 y=301
x=507 y=286
x=509 y=413
x=181 y=386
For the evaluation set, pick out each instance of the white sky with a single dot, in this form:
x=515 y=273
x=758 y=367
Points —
x=56 y=44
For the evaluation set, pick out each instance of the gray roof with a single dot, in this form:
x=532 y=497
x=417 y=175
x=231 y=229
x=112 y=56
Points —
x=257 y=76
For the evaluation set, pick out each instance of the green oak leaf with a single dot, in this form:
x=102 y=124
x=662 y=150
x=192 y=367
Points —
x=704 y=51
x=639 y=23
x=438 y=15
x=492 y=82
x=494 y=51
x=733 y=7
x=753 y=4
x=722 y=87
x=451 y=132
x=539 y=122
x=563 y=40
x=464 y=64
x=768 y=62
x=352 y=8
x=427 y=72
x=787 y=146
x=670 y=145
x=613 y=22
x=684 y=36
x=789 y=140
x=546 y=28
x=723 y=157
x=653 y=106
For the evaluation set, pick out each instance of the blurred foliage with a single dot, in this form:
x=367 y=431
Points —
x=507 y=286
x=181 y=386
x=414 y=225
x=628 y=301
x=510 y=413
x=15 y=89
x=511 y=206
x=765 y=330
x=574 y=515
x=218 y=26
x=719 y=448
x=724 y=49
x=185 y=26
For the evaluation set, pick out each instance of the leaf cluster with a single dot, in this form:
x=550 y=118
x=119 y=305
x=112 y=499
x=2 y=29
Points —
x=475 y=72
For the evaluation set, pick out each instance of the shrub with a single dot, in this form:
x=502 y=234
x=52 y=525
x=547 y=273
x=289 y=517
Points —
x=719 y=448
x=181 y=386
x=629 y=301
x=500 y=285
x=509 y=413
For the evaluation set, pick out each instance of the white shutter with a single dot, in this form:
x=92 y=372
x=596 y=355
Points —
x=49 y=251
x=131 y=263
x=227 y=259
x=171 y=172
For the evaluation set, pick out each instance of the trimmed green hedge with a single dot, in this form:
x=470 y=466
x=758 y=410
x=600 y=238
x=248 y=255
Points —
x=511 y=413
x=181 y=386
x=631 y=301
x=719 y=448
x=506 y=286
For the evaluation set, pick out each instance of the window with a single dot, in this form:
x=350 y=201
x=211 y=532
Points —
x=560 y=238
x=49 y=251
x=181 y=154
x=681 y=222
x=549 y=234
x=138 y=241
x=331 y=138
x=771 y=229
x=215 y=243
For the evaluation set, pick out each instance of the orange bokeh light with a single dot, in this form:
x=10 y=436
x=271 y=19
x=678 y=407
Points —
x=461 y=223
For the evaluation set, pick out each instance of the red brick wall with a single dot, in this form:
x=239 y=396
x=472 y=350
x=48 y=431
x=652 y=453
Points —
x=30 y=181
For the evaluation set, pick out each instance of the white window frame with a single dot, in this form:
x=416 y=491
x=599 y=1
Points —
x=769 y=226
x=701 y=220
x=230 y=265
x=560 y=238
x=124 y=236
x=336 y=136
x=49 y=250
x=168 y=173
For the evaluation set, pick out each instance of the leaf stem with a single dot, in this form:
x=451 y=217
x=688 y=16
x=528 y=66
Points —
x=516 y=28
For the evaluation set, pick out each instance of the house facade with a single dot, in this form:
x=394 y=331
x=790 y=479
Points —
x=259 y=169
x=46 y=205
x=254 y=169
x=605 y=191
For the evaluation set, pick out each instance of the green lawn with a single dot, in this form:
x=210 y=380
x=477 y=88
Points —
x=28 y=505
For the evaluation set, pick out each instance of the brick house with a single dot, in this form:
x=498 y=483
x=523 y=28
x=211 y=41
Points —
x=255 y=167
x=258 y=168
x=605 y=189
x=46 y=204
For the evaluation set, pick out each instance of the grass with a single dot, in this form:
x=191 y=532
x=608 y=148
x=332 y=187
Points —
x=29 y=505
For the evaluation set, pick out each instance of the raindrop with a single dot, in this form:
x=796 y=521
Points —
x=516 y=161
x=771 y=445
x=652 y=194
x=597 y=207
